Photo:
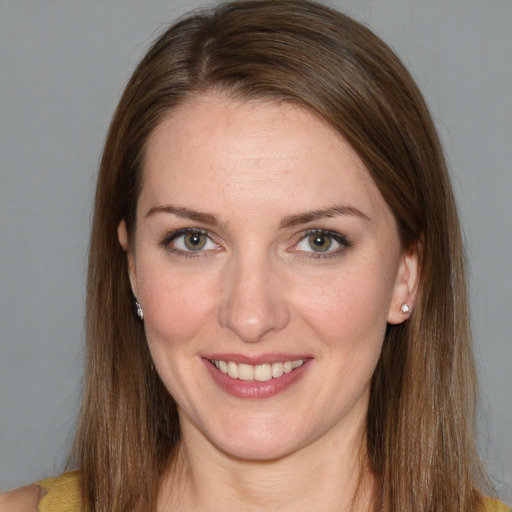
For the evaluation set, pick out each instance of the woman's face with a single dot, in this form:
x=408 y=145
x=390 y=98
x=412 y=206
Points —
x=267 y=265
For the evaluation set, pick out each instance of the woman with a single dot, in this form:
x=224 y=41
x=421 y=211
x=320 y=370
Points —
x=277 y=314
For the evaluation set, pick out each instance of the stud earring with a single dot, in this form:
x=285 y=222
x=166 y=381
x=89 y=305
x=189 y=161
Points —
x=405 y=309
x=138 y=309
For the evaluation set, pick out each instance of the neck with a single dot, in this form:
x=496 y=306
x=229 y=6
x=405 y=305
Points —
x=330 y=474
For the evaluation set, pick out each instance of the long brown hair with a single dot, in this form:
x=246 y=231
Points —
x=420 y=432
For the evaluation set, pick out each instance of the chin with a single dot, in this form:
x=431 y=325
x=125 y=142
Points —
x=259 y=440
x=258 y=450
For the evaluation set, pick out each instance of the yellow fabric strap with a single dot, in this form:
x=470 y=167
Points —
x=60 y=494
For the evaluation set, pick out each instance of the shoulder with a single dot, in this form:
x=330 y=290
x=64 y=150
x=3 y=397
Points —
x=492 y=505
x=59 y=494
x=24 y=499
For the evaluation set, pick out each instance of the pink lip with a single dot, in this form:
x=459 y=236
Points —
x=254 y=389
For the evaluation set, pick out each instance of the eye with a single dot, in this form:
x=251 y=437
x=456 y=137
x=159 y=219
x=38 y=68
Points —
x=190 y=240
x=318 y=242
x=322 y=243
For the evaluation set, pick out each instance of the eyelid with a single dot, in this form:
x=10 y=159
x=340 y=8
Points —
x=339 y=238
x=173 y=235
x=342 y=240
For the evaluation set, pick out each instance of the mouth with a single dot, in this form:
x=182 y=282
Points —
x=257 y=372
x=256 y=377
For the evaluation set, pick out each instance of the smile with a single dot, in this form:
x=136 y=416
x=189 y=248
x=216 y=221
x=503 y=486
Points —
x=256 y=377
x=259 y=372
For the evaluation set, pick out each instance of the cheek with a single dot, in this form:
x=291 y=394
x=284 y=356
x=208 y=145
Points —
x=176 y=307
x=177 y=315
x=349 y=307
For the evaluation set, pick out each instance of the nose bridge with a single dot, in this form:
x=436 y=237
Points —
x=252 y=304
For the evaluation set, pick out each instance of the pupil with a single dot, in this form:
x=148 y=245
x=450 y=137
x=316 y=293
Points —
x=320 y=242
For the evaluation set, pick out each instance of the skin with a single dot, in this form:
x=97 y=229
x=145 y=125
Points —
x=24 y=499
x=258 y=288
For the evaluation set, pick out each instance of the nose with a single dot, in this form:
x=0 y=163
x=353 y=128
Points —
x=253 y=303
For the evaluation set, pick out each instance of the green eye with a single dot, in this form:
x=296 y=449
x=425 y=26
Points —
x=190 y=241
x=194 y=241
x=320 y=242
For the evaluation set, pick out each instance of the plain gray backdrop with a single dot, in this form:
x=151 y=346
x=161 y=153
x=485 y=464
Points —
x=63 y=64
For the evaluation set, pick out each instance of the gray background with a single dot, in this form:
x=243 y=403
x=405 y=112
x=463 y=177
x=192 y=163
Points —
x=63 y=65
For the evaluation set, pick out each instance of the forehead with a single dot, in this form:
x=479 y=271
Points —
x=257 y=153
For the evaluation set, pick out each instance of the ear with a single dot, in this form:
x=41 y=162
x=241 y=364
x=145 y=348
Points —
x=122 y=236
x=406 y=285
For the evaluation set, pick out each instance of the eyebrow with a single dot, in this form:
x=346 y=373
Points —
x=185 y=213
x=327 y=213
x=287 y=222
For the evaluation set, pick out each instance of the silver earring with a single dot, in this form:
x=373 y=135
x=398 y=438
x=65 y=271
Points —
x=138 y=309
x=405 y=309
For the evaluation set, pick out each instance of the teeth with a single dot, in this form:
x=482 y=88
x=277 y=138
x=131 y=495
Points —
x=263 y=372
x=233 y=370
x=277 y=370
x=258 y=372
x=245 y=372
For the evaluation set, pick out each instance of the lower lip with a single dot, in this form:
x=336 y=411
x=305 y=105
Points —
x=255 y=389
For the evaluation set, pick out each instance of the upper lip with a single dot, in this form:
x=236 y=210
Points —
x=255 y=359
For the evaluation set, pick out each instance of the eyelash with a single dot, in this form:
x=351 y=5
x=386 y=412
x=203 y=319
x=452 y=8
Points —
x=337 y=237
x=170 y=237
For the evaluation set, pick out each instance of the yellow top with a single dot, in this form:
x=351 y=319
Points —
x=495 y=506
x=62 y=494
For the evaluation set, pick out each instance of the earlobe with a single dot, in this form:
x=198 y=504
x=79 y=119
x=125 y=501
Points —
x=406 y=286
